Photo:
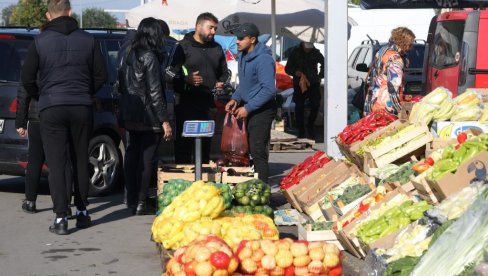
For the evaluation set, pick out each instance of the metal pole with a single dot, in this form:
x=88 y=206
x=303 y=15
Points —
x=273 y=28
x=198 y=158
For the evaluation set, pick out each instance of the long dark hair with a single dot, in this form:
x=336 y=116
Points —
x=149 y=36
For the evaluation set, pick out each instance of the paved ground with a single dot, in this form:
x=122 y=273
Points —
x=117 y=244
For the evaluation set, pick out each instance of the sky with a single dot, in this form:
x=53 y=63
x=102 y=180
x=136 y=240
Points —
x=104 y=4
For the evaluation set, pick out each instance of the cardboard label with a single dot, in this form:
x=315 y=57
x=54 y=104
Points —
x=452 y=129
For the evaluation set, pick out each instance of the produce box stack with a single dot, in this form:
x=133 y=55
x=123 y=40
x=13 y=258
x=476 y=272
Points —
x=351 y=139
x=311 y=168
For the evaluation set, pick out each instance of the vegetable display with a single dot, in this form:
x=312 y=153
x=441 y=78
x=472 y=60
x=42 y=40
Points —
x=298 y=172
x=172 y=189
x=365 y=126
x=264 y=210
x=252 y=193
x=402 y=175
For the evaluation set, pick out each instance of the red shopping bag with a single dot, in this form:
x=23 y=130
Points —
x=234 y=146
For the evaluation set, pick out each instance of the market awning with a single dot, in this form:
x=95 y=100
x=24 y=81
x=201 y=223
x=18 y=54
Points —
x=422 y=4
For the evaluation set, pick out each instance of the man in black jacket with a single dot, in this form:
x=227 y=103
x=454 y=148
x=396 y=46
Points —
x=302 y=66
x=202 y=68
x=71 y=69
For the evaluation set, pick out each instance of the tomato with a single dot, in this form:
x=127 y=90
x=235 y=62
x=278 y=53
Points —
x=220 y=260
x=378 y=197
x=462 y=137
x=429 y=161
x=336 y=271
x=190 y=267
x=290 y=271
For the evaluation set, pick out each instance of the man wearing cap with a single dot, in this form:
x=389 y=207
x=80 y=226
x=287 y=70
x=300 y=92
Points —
x=302 y=66
x=254 y=99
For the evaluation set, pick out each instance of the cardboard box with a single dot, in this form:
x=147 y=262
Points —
x=482 y=92
x=324 y=235
x=405 y=111
x=307 y=180
x=423 y=188
x=349 y=241
x=438 y=143
x=403 y=147
x=452 y=129
x=474 y=168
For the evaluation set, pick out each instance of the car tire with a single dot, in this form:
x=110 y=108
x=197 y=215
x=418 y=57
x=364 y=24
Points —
x=105 y=165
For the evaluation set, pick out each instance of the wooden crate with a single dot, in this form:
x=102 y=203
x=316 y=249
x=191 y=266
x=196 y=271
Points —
x=299 y=145
x=405 y=111
x=167 y=172
x=243 y=174
x=404 y=146
x=423 y=189
x=438 y=143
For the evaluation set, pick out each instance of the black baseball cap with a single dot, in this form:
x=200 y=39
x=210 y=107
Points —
x=246 y=29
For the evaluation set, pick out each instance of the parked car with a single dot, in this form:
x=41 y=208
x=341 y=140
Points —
x=106 y=145
x=362 y=57
x=457 y=58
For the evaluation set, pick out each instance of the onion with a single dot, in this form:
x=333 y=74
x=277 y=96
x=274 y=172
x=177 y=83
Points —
x=301 y=270
x=204 y=269
x=269 y=248
x=283 y=245
x=277 y=271
x=202 y=255
x=301 y=261
x=316 y=254
x=331 y=260
x=255 y=245
x=248 y=266
x=220 y=272
x=268 y=262
x=284 y=258
x=245 y=253
x=330 y=248
x=298 y=249
x=233 y=265
x=257 y=255
x=213 y=246
x=314 y=245
x=315 y=267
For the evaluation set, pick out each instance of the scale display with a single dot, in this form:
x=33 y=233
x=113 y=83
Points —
x=198 y=128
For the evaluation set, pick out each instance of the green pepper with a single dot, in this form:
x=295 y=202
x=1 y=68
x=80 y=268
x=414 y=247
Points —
x=377 y=229
x=446 y=165
x=448 y=152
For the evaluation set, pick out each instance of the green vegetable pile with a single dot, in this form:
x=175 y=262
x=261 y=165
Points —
x=402 y=175
x=252 y=193
x=352 y=193
x=172 y=189
x=264 y=210
x=402 y=267
x=320 y=226
x=452 y=158
x=392 y=220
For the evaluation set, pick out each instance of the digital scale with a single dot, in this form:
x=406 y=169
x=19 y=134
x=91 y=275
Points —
x=198 y=130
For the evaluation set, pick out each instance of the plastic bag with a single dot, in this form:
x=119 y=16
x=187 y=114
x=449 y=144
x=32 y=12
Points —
x=234 y=146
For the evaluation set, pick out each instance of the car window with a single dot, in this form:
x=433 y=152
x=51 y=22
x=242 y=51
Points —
x=12 y=55
x=447 y=43
x=112 y=47
x=352 y=57
x=416 y=57
x=369 y=57
x=362 y=56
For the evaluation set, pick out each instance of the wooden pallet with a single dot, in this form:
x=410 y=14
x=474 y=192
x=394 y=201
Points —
x=167 y=172
x=300 y=145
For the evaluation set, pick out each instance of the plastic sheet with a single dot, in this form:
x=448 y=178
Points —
x=234 y=146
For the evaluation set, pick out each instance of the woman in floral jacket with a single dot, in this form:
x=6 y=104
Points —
x=387 y=74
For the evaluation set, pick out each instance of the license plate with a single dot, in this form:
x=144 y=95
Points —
x=2 y=122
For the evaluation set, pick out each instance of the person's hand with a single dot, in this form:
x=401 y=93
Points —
x=194 y=79
x=22 y=131
x=241 y=113
x=219 y=86
x=231 y=106
x=168 y=132
x=298 y=73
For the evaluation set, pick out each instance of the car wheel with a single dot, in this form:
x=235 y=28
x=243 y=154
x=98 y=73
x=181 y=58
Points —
x=105 y=165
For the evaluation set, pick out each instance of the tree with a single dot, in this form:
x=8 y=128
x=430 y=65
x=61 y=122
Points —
x=29 y=13
x=356 y=2
x=98 y=18
x=7 y=14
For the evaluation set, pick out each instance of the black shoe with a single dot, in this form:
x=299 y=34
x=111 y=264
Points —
x=59 y=228
x=29 y=206
x=83 y=221
x=141 y=209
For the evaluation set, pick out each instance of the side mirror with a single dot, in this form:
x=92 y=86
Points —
x=362 y=67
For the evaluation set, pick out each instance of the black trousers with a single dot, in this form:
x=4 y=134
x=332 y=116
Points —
x=185 y=147
x=63 y=127
x=35 y=161
x=139 y=164
x=259 y=133
x=313 y=94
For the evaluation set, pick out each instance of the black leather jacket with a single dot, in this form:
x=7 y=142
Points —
x=27 y=108
x=142 y=104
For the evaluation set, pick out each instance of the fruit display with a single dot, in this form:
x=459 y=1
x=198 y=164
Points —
x=253 y=192
x=226 y=193
x=206 y=255
x=365 y=126
x=288 y=257
x=244 y=227
x=298 y=172
x=172 y=189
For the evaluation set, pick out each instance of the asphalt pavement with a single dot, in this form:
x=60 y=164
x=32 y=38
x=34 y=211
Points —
x=117 y=243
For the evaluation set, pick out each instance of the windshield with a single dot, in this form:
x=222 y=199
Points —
x=447 y=43
x=416 y=57
x=12 y=55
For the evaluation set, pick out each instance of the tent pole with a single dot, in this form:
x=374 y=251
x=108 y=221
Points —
x=273 y=28
x=335 y=79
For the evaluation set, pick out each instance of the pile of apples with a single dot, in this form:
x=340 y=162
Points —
x=287 y=257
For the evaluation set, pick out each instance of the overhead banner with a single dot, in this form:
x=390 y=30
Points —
x=422 y=4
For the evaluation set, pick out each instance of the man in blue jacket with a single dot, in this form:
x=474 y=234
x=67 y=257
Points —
x=254 y=99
